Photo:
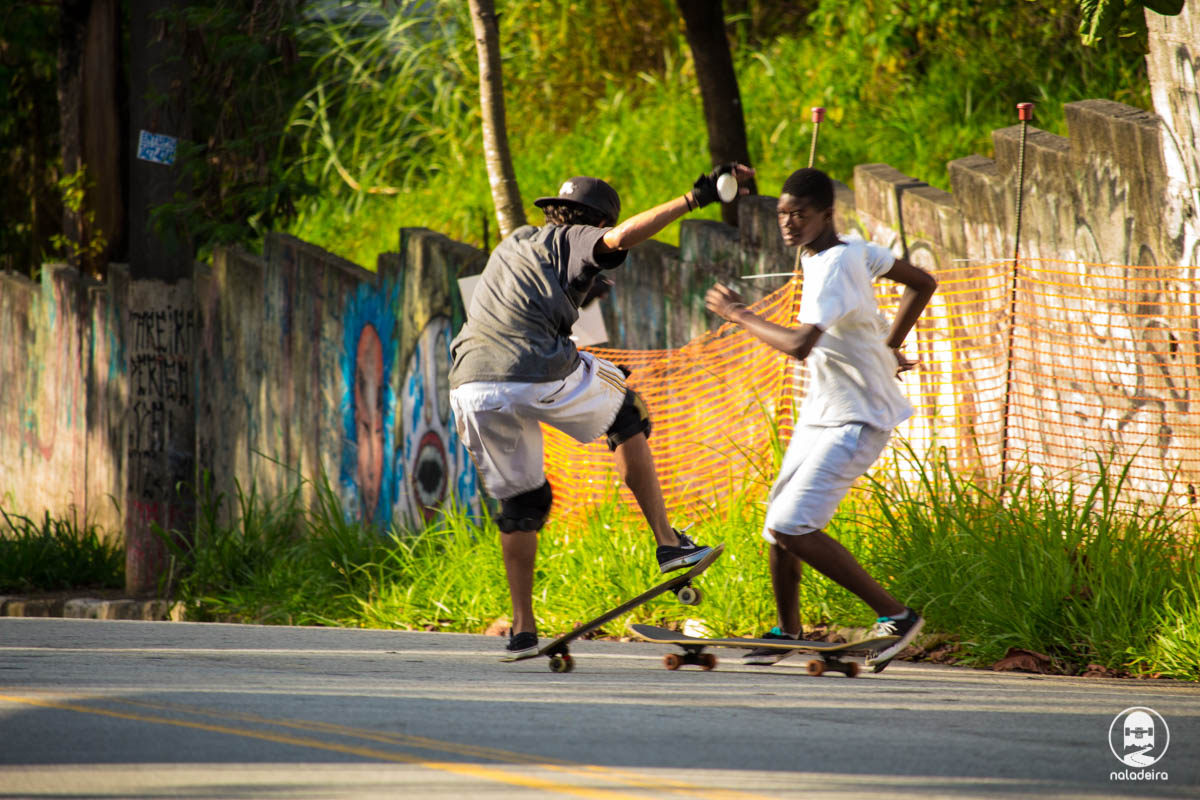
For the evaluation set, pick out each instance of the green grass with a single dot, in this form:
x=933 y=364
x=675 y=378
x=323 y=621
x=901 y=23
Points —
x=1075 y=573
x=1071 y=574
x=395 y=110
x=56 y=554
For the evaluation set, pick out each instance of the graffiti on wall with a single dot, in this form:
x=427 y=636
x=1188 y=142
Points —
x=432 y=462
x=160 y=382
x=160 y=424
x=401 y=456
x=368 y=404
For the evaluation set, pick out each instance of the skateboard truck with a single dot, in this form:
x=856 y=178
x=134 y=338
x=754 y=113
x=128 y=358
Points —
x=692 y=654
x=827 y=661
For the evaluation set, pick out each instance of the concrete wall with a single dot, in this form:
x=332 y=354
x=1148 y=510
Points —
x=160 y=329
x=1103 y=350
x=658 y=297
x=45 y=428
x=315 y=372
x=1172 y=63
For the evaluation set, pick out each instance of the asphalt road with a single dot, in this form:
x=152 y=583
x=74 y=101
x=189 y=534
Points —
x=152 y=710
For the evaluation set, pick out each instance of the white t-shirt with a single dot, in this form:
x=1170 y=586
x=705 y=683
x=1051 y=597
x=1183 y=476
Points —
x=852 y=373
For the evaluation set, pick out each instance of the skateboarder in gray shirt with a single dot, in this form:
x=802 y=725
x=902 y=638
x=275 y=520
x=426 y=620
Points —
x=515 y=366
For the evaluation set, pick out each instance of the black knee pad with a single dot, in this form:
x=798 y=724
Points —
x=632 y=418
x=527 y=511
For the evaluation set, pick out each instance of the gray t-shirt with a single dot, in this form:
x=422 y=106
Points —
x=519 y=324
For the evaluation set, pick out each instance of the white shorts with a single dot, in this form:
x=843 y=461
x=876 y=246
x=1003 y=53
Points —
x=819 y=467
x=498 y=421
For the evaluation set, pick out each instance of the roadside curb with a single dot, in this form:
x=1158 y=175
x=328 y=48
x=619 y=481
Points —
x=91 y=608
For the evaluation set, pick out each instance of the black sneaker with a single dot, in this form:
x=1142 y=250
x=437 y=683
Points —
x=686 y=554
x=521 y=644
x=766 y=656
x=906 y=628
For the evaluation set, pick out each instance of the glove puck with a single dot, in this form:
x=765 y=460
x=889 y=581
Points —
x=727 y=187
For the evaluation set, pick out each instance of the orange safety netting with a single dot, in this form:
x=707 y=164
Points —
x=1094 y=368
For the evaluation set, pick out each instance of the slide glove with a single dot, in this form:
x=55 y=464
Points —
x=704 y=190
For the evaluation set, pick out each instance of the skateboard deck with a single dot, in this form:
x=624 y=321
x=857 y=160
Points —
x=680 y=583
x=830 y=654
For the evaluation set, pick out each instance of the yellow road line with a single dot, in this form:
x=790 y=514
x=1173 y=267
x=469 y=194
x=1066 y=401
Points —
x=422 y=742
x=469 y=770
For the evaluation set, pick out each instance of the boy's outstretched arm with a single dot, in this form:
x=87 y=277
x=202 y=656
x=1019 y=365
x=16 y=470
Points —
x=796 y=342
x=919 y=287
x=646 y=224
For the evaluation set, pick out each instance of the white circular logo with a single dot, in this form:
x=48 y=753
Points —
x=1139 y=736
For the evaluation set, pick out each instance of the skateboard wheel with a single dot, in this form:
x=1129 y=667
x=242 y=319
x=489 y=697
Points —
x=562 y=663
x=708 y=661
x=852 y=670
x=816 y=667
x=689 y=595
x=672 y=661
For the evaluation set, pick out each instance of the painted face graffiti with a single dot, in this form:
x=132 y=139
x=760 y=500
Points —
x=368 y=404
x=426 y=418
x=368 y=418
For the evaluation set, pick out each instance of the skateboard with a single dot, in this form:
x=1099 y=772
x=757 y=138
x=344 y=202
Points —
x=830 y=654
x=680 y=584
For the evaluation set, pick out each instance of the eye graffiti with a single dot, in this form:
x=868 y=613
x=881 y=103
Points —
x=432 y=459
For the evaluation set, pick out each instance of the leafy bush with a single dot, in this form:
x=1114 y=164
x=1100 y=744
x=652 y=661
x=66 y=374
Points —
x=57 y=554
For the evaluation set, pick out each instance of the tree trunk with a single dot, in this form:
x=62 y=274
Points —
x=506 y=195
x=104 y=128
x=88 y=90
x=72 y=33
x=158 y=80
x=705 y=23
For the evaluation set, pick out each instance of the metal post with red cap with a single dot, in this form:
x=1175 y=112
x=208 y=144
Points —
x=1024 y=115
x=818 y=114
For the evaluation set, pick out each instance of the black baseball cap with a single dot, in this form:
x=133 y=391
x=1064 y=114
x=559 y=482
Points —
x=590 y=193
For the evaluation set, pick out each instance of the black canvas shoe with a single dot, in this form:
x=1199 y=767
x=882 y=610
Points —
x=906 y=627
x=686 y=554
x=766 y=656
x=522 y=644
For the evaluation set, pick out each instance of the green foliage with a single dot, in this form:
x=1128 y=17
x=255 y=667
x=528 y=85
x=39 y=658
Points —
x=244 y=76
x=30 y=210
x=73 y=188
x=913 y=85
x=57 y=554
x=356 y=119
x=1071 y=572
x=1103 y=19
x=1065 y=570
x=269 y=561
